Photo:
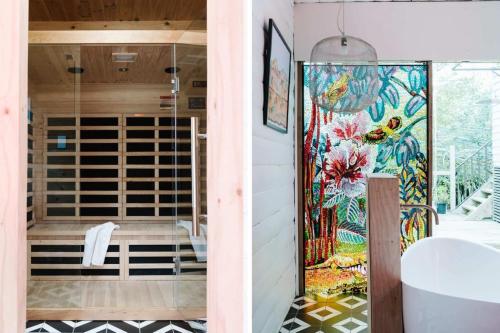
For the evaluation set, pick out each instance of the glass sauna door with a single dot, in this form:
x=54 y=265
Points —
x=191 y=224
x=54 y=253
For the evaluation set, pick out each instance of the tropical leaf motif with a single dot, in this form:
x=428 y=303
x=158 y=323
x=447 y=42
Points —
x=386 y=72
x=407 y=184
x=406 y=232
x=391 y=95
x=414 y=104
x=348 y=236
x=349 y=210
x=377 y=110
x=415 y=79
x=421 y=178
x=353 y=227
x=359 y=72
x=355 y=87
x=333 y=200
x=406 y=68
x=413 y=226
x=385 y=151
x=406 y=149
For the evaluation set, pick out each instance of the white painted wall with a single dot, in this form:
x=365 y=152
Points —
x=439 y=31
x=274 y=252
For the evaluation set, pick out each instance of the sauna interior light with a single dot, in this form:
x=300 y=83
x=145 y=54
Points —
x=124 y=56
x=343 y=73
x=172 y=70
x=75 y=70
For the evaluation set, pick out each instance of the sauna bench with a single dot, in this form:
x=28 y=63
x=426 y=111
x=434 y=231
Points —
x=127 y=231
x=153 y=251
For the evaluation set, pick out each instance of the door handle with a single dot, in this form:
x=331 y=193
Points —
x=195 y=174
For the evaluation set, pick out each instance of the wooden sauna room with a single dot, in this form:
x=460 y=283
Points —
x=117 y=133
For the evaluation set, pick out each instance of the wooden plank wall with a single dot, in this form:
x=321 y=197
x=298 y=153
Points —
x=13 y=164
x=64 y=200
x=385 y=306
x=273 y=207
x=228 y=166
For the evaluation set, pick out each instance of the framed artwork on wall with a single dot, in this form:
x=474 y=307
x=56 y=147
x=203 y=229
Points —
x=278 y=58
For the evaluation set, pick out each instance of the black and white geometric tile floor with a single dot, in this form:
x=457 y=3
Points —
x=345 y=313
x=127 y=326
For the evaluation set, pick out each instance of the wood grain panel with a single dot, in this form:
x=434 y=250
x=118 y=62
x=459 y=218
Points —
x=113 y=300
x=48 y=64
x=116 y=10
x=228 y=172
x=199 y=25
x=384 y=260
x=117 y=36
x=142 y=176
x=13 y=164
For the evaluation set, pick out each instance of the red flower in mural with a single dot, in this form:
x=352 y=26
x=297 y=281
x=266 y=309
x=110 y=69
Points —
x=350 y=127
x=346 y=167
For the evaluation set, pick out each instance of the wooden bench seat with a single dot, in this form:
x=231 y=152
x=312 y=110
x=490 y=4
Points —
x=136 y=252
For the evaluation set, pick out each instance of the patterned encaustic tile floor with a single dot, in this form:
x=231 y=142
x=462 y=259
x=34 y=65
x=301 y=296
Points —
x=127 y=326
x=345 y=313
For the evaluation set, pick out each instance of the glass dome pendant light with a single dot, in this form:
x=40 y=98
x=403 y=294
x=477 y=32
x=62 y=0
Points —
x=343 y=72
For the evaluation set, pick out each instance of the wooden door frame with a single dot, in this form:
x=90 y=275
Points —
x=13 y=164
x=299 y=175
x=228 y=107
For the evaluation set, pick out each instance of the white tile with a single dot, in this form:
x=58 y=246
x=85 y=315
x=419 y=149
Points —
x=331 y=313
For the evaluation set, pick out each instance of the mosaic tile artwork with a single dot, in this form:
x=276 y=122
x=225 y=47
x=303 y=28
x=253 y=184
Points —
x=127 y=326
x=340 y=150
x=333 y=314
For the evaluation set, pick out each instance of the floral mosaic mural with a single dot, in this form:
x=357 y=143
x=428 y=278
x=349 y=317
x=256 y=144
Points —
x=339 y=151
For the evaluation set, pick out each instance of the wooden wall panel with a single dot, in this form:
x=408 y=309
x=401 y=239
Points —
x=13 y=164
x=385 y=305
x=117 y=167
x=117 y=10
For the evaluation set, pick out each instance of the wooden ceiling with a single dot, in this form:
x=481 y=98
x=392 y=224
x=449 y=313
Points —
x=48 y=64
x=116 y=10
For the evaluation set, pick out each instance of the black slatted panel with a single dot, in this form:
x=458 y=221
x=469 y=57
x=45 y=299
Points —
x=41 y=256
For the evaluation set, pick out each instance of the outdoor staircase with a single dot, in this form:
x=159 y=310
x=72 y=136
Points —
x=478 y=205
x=474 y=190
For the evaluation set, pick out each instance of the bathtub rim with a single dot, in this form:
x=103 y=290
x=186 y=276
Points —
x=422 y=242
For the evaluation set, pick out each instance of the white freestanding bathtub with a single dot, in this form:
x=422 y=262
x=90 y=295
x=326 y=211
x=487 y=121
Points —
x=451 y=286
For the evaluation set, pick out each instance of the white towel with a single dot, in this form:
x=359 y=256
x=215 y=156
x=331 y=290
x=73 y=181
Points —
x=199 y=243
x=96 y=243
x=90 y=239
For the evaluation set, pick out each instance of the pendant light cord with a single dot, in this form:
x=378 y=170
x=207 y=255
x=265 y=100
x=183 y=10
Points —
x=341 y=8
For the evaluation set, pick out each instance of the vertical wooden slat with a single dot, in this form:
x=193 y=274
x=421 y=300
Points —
x=13 y=164
x=228 y=158
x=384 y=260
